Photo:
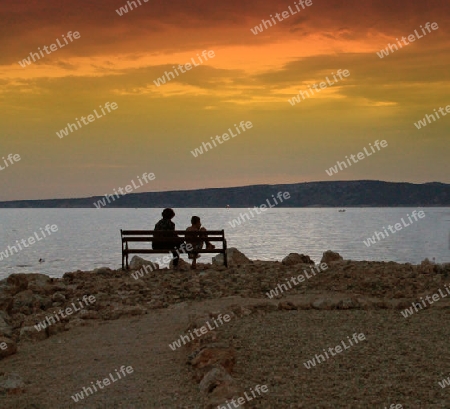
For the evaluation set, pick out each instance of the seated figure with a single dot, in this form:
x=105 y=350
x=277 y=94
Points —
x=165 y=229
x=196 y=239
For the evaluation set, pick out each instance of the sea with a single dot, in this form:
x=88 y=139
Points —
x=86 y=239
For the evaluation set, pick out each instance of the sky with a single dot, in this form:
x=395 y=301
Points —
x=251 y=77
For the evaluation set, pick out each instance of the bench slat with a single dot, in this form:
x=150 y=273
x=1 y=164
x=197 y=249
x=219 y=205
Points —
x=166 y=239
x=148 y=251
x=152 y=232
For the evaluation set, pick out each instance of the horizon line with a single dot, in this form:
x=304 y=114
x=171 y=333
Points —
x=225 y=187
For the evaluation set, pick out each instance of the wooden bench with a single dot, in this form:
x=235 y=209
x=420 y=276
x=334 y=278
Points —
x=148 y=236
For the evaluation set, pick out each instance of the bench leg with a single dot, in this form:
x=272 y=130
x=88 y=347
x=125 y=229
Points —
x=225 y=257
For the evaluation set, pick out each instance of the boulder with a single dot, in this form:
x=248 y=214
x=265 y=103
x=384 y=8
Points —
x=427 y=267
x=6 y=297
x=138 y=262
x=17 y=283
x=295 y=258
x=6 y=301
x=40 y=283
x=23 y=302
x=330 y=257
x=26 y=302
x=215 y=377
x=58 y=297
x=37 y=283
x=5 y=327
x=42 y=302
x=234 y=256
x=7 y=347
x=104 y=271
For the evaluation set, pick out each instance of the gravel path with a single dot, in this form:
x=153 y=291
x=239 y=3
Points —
x=57 y=368
x=400 y=361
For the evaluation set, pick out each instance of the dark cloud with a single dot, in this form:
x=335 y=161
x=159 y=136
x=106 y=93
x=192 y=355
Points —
x=183 y=24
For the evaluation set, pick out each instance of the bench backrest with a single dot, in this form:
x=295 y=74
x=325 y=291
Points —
x=155 y=235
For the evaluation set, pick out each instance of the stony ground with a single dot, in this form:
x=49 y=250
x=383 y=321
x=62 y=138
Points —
x=133 y=321
x=400 y=361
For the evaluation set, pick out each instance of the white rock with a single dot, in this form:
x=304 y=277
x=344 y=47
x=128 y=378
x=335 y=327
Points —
x=138 y=262
x=234 y=256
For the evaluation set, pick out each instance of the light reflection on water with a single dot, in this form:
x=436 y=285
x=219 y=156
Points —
x=90 y=238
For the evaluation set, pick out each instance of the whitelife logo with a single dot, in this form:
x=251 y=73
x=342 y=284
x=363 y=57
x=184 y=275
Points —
x=423 y=122
x=444 y=383
x=283 y=287
x=27 y=61
x=128 y=189
x=436 y=297
x=51 y=319
x=187 y=67
x=239 y=402
x=64 y=132
x=284 y=14
x=10 y=160
x=360 y=156
x=246 y=215
x=124 y=10
x=207 y=145
x=102 y=383
x=393 y=47
x=380 y=235
x=200 y=331
x=312 y=362
x=31 y=240
x=322 y=85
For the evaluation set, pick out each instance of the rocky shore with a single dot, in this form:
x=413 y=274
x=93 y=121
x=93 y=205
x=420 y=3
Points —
x=35 y=307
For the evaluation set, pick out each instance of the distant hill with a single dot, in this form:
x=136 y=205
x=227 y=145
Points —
x=364 y=193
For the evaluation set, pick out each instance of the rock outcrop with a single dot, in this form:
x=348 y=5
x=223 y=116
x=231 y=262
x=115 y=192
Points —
x=137 y=263
x=27 y=300
x=295 y=258
x=331 y=257
x=234 y=257
x=7 y=347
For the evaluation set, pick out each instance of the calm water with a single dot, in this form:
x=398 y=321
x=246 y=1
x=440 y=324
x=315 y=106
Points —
x=90 y=238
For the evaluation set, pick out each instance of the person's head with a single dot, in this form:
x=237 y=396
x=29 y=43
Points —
x=168 y=214
x=195 y=221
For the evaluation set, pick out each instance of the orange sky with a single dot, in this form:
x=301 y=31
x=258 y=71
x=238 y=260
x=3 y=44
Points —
x=251 y=78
